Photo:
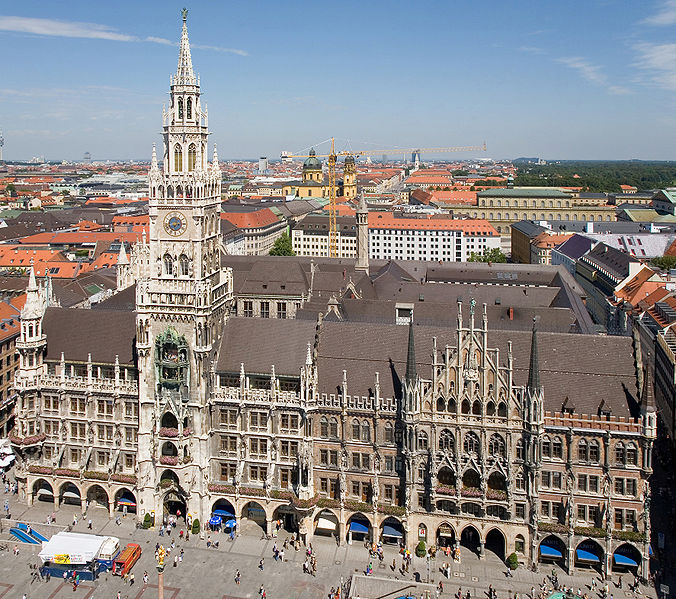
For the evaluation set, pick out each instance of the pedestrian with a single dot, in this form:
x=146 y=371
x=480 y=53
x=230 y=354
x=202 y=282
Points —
x=281 y=555
x=131 y=579
x=119 y=595
x=89 y=524
x=237 y=577
x=261 y=565
x=145 y=577
x=175 y=561
x=619 y=582
x=261 y=591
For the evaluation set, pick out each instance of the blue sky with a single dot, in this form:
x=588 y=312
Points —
x=589 y=79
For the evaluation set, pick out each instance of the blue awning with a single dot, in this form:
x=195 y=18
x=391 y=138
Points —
x=224 y=513
x=215 y=521
x=623 y=560
x=230 y=524
x=547 y=551
x=389 y=531
x=586 y=556
x=356 y=526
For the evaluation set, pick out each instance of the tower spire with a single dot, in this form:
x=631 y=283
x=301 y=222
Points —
x=153 y=160
x=534 y=385
x=410 y=355
x=185 y=74
x=362 y=263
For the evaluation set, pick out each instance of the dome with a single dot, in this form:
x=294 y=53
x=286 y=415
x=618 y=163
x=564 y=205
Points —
x=349 y=159
x=312 y=163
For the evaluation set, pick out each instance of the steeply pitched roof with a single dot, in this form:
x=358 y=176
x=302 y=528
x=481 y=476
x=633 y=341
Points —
x=103 y=333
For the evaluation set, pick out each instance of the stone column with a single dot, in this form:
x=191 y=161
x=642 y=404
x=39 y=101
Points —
x=111 y=507
x=482 y=553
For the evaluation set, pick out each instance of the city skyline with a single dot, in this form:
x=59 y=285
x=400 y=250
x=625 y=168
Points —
x=584 y=80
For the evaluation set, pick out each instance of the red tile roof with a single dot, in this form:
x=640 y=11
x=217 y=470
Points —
x=251 y=220
x=387 y=220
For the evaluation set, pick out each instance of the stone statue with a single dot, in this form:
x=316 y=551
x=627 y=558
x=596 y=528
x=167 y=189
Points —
x=343 y=459
x=343 y=486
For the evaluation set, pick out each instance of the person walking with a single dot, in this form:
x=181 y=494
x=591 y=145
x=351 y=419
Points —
x=237 y=577
x=131 y=579
x=89 y=524
x=261 y=566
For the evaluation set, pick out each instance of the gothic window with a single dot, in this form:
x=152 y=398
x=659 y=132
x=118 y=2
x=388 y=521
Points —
x=389 y=432
x=547 y=447
x=465 y=406
x=476 y=408
x=520 y=482
x=333 y=427
x=188 y=109
x=490 y=409
x=472 y=444
x=180 y=108
x=365 y=431
x=632 y=455
x=496 y=446
x=168 y=265
x=184 y=265
x=192 y=154
x=441 y=404
x=324 y=427
x=178 y=159
x=446 y=441
x=594 y=451
x=452 y=405
x=446 y=477
x=355 y=430
x=519 y=449
x=557 y=448
x=583 y=451
x=502 y=409
x=422 y=440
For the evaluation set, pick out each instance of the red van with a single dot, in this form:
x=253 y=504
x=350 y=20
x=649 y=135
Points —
x=125 y=561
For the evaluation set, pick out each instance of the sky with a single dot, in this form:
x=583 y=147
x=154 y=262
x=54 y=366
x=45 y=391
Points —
x=580 y=79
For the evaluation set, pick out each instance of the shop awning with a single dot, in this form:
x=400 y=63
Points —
x=224 y=513
x=390 y=531
x=326 y=524
x=44 y=491
x=215 y=520
x=547 y=551
x=70 y=495
x=359 y=527
x=128 y=502
x=586 y=556
x=623 y=560
x=230 y=524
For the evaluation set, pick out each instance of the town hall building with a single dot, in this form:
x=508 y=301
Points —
x=473 y=432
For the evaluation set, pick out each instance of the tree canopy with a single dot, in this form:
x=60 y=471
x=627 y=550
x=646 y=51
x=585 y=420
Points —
x=493 y=255
x=283 y=246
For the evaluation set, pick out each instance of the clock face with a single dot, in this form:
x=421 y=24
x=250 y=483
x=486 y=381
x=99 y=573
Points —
x=175 y=223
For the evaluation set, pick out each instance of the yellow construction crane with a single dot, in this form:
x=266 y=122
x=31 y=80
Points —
x=333 y=157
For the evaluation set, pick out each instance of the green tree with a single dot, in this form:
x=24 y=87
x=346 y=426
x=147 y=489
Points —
x=421 y=549
x=493 y=255
x=10 y=190
x=283 y=246
x=664 y=262
x=512 y=561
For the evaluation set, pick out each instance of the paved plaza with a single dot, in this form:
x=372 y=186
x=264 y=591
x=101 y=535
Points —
x=209 y=573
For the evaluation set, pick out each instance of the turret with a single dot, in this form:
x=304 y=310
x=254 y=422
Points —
x=350 y=178
x=534 y=392
x=32 y=341
x=362 y=237
x=648 y=406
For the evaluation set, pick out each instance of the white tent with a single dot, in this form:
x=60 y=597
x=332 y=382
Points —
x=71 y=548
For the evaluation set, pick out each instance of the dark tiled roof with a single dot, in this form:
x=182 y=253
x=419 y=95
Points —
x=261 y=342
x=122 y=300
x=585 y=370
x=103 y=333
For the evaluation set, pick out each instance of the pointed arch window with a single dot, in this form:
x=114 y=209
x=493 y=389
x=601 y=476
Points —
x=180 y=109
x=192 y=155
x=389 y=433
x=446 y=441
x=365 y=431
x=472 y=444
x=496 y=446
x=178 y=158
x=168 y=265
x=184 y=265
x=188 y=109
x=422 y=440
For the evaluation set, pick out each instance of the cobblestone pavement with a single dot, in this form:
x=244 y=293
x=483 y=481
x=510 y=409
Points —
x=209 y=573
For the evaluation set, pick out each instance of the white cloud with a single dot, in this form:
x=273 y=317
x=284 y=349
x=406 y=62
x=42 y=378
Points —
x=659 y=61
x=666 y=15
x=75 y=29
x=531 y=50
x=593 y=74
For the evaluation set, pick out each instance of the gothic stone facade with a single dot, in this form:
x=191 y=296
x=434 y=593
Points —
x=508 y=441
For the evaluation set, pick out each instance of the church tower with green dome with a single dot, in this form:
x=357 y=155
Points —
x=312 y=168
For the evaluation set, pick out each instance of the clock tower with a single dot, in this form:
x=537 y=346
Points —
x=182 y=304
